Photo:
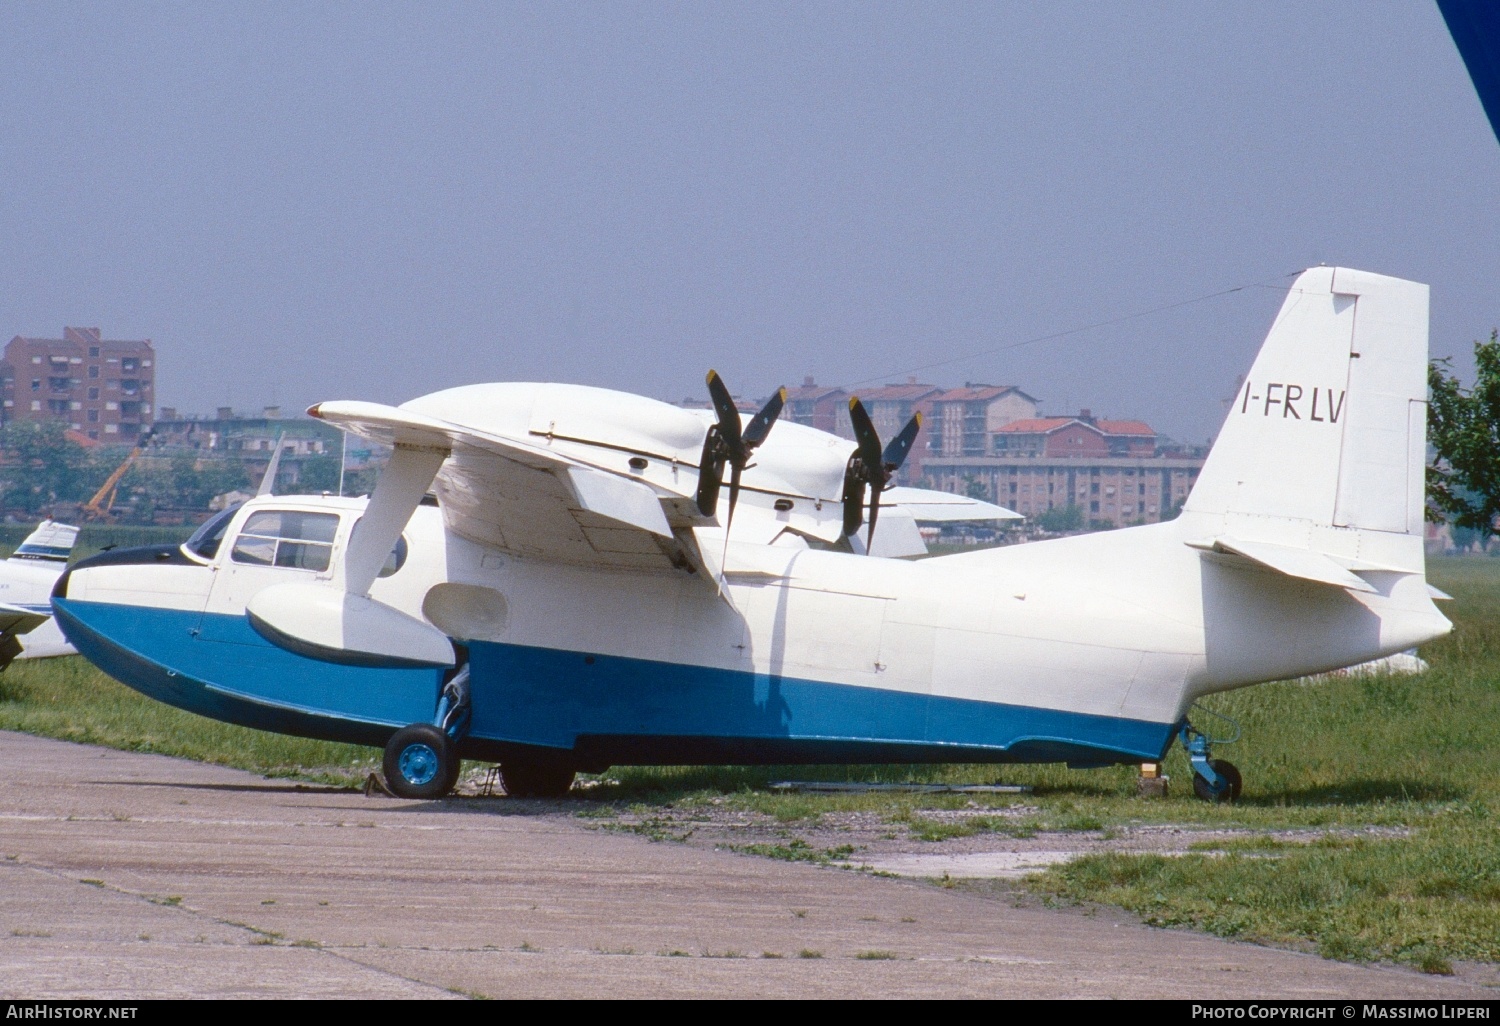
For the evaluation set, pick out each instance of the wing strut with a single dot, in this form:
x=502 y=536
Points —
x=336 y=620
x=399 y=491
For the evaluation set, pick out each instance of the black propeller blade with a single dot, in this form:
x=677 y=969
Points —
x=727 y=443
x=872 y=468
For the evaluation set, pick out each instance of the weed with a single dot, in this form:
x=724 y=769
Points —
x=172 y=900
x=796 y=850
x=875 y=956
x=770 y=954
x=92 y=882
x=800 y=913
x=674 y=953
x=527 y=946
x=809 y=953
x=306 y=944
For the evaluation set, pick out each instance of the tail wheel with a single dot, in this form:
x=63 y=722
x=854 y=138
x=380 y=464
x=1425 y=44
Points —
x=420 y=762
x=524 y=779
x=1232 y=779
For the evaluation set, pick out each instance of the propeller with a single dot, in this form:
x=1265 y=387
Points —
x=871 y=467
x=727 y=443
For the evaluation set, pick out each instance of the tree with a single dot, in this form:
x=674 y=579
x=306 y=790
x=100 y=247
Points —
x=1060 y=519
x=319 y=474
x=1463 y=427
x=41 y=465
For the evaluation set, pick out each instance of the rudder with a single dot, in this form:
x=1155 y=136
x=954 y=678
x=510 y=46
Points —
x=1329 y=429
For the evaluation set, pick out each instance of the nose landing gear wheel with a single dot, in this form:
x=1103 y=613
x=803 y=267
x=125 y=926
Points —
x=1229 y=773
x=420 y=763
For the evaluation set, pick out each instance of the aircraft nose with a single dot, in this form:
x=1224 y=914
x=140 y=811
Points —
x=141 y=555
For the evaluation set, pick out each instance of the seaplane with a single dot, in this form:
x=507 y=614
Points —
x=557 y=579
x=27 y=577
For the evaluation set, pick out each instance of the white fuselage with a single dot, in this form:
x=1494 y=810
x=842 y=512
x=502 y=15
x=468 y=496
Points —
x=1130 y=625
x=28 y=583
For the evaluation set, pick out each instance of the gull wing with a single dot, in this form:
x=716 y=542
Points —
x=531 y=501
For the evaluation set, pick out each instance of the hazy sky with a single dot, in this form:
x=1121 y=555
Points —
x=305 y=201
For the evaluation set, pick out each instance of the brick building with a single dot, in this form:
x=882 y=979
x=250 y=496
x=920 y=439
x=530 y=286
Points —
x=1112 y=470
x=102 y=388
x=890 y=407
x=1082 y=437
x=1113 y=490
x=964 y=420
x=820 y=406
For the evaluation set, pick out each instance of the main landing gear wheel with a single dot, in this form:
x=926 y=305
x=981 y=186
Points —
x=420 y=763
x=1229 y=773
x=536 y=779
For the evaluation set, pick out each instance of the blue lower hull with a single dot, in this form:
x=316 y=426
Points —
x=604 y=709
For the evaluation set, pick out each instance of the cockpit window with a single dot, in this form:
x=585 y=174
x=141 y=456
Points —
x=205 y=541
x=287 y=538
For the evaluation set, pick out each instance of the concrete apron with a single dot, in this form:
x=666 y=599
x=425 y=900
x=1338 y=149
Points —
x=130 y=876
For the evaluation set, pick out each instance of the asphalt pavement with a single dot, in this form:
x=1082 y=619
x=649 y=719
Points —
x=128 y=876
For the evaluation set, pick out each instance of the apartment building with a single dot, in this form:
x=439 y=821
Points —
x=102 y=388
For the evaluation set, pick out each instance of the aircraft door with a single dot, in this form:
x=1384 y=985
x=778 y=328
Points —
x=271 y=546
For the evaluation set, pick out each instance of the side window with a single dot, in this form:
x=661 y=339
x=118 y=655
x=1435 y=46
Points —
x=287 y=538
x=396 y=560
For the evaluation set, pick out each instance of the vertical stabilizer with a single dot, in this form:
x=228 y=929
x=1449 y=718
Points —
x=50 y=543
x=1328 y=433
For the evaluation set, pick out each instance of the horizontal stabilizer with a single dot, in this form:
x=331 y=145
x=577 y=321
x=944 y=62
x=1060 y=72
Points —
x=927 y=505
x=1304 y=564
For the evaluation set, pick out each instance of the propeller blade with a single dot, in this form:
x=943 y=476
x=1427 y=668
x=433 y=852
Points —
x=710 y=472
x=865 y=437
x=854 y=500
x=900 y=447
x=729 y=418
x=760 y=426
x=868 y=466
x=734 y=496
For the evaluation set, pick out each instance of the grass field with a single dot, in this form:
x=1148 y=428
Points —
x=1366 y=830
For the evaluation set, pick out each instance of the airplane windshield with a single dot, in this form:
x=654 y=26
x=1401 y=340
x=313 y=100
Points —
x=205 y=541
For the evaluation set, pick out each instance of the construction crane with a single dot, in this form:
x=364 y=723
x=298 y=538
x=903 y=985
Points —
x=100 y=507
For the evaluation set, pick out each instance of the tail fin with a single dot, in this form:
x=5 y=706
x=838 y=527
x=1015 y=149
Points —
x=1328 y=435
x=49 y=543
